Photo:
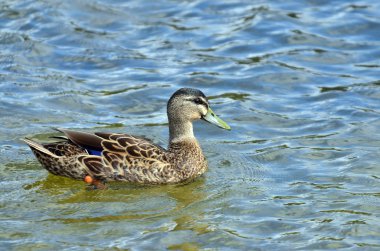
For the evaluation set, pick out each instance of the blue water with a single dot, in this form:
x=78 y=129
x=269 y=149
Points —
x=297 y=81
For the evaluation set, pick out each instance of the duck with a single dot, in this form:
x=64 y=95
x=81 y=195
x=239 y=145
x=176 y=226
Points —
x=101 y=157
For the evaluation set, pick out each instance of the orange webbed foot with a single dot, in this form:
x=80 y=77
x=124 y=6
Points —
x=96 y=183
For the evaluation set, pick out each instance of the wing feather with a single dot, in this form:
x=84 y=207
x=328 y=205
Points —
x=126 y=157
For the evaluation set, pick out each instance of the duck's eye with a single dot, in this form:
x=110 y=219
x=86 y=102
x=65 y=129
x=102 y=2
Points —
x=198 y=101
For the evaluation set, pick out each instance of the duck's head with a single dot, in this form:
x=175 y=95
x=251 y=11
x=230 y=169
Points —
x=188 y=104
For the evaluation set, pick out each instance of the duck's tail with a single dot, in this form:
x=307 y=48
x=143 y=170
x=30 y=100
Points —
x=38 y=148
x=52 y=159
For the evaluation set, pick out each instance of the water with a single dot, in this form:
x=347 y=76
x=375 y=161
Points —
x=298 y=82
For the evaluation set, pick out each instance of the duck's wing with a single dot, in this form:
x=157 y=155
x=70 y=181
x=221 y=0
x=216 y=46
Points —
x=123 y=157
x=86 y=140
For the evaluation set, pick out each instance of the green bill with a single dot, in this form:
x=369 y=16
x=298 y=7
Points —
x=213 y=119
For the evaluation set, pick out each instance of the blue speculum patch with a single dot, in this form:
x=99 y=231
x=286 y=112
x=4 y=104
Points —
x=94 y=152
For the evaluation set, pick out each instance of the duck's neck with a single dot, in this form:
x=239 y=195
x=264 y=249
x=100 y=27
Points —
x=184 y=150
x=180 y=131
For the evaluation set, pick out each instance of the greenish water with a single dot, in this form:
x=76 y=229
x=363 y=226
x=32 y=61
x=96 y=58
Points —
x=298 y=82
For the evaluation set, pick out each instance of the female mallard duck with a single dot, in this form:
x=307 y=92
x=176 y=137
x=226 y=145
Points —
x=123 y=157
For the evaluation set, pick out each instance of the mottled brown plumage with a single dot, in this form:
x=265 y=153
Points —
x=123 y=157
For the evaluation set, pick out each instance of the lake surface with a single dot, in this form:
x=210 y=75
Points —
x=299 y=83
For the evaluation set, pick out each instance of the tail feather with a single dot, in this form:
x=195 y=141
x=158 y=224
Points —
x=39 y=148
x=64 y=164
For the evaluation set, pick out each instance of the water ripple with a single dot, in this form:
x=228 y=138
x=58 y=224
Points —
x=297 y=81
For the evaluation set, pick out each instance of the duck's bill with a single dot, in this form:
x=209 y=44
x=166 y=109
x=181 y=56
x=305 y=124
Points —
x=213 y=119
